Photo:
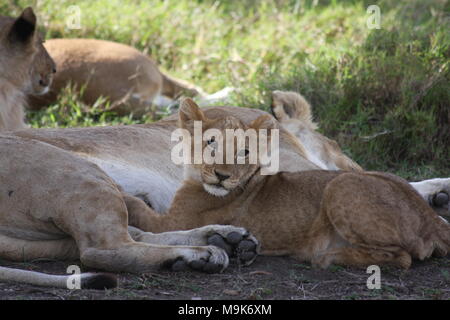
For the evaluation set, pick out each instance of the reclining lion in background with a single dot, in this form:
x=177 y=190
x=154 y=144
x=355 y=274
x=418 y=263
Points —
x=127 y=78
x=352 y=218
x=25 y=67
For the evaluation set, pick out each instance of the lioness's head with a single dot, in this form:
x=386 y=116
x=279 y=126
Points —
x=225 y=154
x=24 y=62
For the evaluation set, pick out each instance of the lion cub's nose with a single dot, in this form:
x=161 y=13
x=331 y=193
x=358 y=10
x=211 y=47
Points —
x=221 y=176
x=44 y=83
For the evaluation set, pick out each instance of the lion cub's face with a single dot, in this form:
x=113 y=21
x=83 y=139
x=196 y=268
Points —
x=225 y=163
x=24 y=62
x=42 y=71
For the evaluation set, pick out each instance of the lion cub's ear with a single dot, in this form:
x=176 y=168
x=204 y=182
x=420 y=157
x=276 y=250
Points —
x=189 y=112
x=23 y=29
x=264 y=122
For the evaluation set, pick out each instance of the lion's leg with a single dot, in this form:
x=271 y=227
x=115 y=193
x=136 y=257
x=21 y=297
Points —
x=101 y=233
x=329 y=245
x=141 y=216
x=15 y=249
x=380 y=216
x=63 y=249
x=127 y=255
x=139 y=257
x=363 y=257
x=194 y=237
x=235 y=241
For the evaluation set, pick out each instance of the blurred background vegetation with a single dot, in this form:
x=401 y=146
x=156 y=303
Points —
x=383 y=94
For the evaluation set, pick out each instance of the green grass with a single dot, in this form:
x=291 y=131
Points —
x=383 y=94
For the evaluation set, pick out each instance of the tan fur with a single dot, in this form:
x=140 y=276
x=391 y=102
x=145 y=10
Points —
x=127 y=78
x=25 y=67
x=350 y=218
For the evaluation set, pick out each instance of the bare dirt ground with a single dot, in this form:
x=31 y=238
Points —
x=267 y=278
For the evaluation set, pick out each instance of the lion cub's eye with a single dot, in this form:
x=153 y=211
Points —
x=211 y=141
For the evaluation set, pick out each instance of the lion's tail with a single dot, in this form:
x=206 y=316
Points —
x=173 y=88
x=85 y=280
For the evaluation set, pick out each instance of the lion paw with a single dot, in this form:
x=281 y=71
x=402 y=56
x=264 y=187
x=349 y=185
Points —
x=437 y=193
x=237 y=243
x=440 y=200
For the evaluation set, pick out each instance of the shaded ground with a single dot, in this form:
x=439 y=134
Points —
x=267 y=278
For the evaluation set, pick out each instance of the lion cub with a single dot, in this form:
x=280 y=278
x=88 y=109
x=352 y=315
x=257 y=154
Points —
x=325 y=217
x=25 y=67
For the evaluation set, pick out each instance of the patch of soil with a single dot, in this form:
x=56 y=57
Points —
x=267 y=278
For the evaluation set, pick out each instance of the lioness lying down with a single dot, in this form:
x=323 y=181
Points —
x=350 y=218
x=54 y=204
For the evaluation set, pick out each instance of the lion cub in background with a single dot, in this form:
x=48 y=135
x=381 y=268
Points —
x=25 y=67
x=325 y=217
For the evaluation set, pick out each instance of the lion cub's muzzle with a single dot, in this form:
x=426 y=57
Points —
x=216 y=189
x=218 y=183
